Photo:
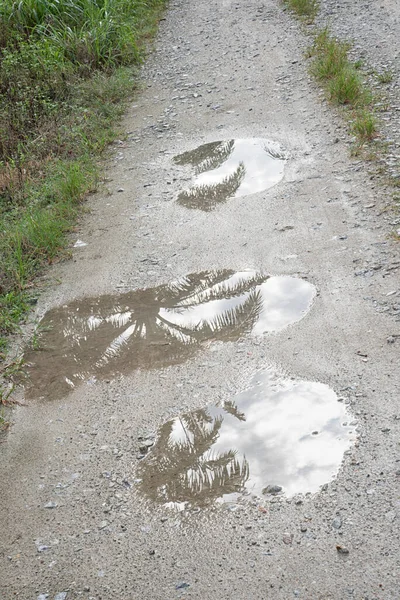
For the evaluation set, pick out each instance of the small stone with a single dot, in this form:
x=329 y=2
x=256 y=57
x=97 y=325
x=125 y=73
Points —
x=182 y=585
x=342 y=549
x=303 y=528
x=337 y=523
x=272 y=489
x=287 y=538
x=391 y=340
x=120 y=190
x=51 y=505
x=60 y=596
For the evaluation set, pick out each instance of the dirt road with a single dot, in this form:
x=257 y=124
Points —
x=295 y=372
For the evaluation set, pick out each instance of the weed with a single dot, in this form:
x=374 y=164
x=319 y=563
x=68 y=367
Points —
x=8 y=374
x=4 y=422
x=364 y=125
x=306 y=9
x=347 y=88
x=330 y=56
x=385 y=76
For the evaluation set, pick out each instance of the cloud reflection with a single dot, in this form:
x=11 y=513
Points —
x=230 y=169
x=157 y=327
x=278 y=432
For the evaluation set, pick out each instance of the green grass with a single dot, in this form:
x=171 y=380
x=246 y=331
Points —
x=67 y=69
x=344 y=85
x=385 y=76
x=305 y=9
x=364 y=125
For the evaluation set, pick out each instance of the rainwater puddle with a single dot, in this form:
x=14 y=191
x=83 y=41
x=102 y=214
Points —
x=98 y=338
x=230 y=169
x=278 y=433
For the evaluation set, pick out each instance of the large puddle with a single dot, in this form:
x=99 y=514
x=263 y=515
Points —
x=230 y=169
x=97 y=338
x=279 y=436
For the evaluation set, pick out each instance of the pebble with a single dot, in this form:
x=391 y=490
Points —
x=272 y=489
x=342 y=549
x=60 y=596
x=287 y=538
x=337 y=523
x=51 y=505
x=182 y=585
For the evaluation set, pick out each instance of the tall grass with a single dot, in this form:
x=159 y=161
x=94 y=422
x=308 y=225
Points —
x=66 y=68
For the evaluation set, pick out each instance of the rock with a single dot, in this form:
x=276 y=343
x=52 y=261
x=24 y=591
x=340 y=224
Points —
x=60 y=596
x=182 y=585
x=342 y=549
x=51 y=505
x=337 y=523
x=287 y=538
x=303 y=528
x=272 y=489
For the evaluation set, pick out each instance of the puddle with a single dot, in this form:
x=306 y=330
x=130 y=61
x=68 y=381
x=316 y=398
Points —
x=230 y=169
x=278 y=433
x=98 y=338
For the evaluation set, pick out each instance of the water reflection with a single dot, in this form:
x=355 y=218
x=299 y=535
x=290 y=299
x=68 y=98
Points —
x=278 y=432
x=229 y=169
x=156 y=327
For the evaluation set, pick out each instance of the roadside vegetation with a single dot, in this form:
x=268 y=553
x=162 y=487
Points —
x=343 y=80
x=305 y=9
x=348 y=86
x=343 y=83
x=66 y=68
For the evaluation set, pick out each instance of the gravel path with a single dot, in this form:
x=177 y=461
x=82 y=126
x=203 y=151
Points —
x=74 y=521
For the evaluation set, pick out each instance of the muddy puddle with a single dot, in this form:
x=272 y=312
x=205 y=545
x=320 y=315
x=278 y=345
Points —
x=98 y=338
x=279 y=436
x=230 y=169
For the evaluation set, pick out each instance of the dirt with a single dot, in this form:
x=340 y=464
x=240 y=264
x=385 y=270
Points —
x=75 y=521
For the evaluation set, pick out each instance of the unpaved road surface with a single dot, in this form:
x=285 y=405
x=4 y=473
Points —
x=76 y=520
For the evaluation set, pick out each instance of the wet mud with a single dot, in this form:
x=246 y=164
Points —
x=99 y=338
x=230 y=169
x=279 y=436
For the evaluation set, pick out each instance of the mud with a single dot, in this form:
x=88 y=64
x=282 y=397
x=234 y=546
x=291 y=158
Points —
x=277 y=436
x=230 y=169
x=100 y=338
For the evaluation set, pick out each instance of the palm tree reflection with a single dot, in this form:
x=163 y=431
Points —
x=147 y=329
x=207 y=196
x=207 y=157
x=183 y=468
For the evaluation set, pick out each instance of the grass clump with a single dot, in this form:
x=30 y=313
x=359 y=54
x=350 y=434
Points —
x=332 y=67
x=343 y=83
x=364 y=125
x=66 y=69
x=306 y=9
x=385 y=77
